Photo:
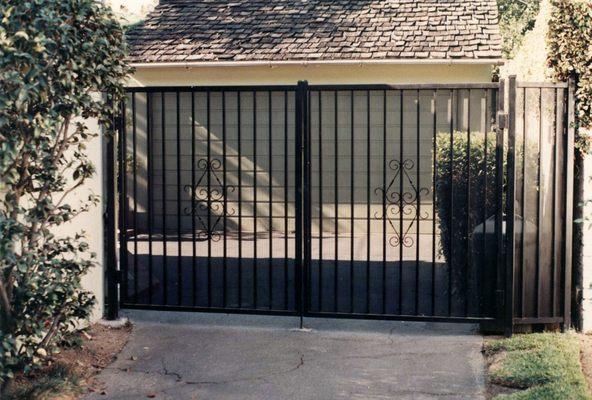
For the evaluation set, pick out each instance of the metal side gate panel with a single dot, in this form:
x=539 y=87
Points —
x=357 y=201
x=401 y=186
x=540 y=203
x=208 y=210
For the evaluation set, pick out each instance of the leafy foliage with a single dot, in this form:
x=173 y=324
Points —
x=516 y=18
x=55 y=56
x=569 y=38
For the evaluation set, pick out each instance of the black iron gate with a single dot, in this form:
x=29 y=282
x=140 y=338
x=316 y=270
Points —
x=368 y=201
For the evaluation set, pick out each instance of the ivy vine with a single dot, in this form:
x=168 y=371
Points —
x=570 y=55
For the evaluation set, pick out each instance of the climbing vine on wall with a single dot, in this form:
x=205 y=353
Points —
x=570 y=54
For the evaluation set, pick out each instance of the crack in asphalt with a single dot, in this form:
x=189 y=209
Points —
x=169 y=373
x=390 y=336
x=179 y=378
x=254 y=378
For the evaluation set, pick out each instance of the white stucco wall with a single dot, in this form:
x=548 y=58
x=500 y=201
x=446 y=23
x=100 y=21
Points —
x=314 y=74
x=91 y=222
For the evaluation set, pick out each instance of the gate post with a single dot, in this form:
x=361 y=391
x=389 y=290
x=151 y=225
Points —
x=510 y=200
x=306 y=192
x=569 y=202
x=109 y=225
x=501 y=126
x=300 y=198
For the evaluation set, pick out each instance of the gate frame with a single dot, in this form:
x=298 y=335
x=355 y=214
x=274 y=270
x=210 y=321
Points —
x=504 y=320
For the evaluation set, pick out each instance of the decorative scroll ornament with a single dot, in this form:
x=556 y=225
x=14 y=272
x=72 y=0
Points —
x=398 y=205
x=208 y=198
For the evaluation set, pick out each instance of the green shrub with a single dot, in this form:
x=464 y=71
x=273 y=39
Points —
x=452 y=173
x=54 y=57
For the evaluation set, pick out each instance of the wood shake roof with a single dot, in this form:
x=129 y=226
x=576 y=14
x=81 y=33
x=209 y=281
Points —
x=316 y=30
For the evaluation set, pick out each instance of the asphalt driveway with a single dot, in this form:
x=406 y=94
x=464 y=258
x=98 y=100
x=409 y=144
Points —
x=196 y=356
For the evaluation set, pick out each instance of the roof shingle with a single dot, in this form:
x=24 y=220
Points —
x=315 y=30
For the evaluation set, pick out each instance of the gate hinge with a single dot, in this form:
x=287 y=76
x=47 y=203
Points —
x=118 y=276
x=502 y=120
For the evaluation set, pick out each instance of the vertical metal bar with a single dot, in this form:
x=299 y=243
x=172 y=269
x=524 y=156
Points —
x=135 y=194
x=523 y=212
x=418 y=200
x=469 y=234
x=270 y=273
x=123 y=206
x=499 y=198
x=336 y=221
x=193 y=205
x=209 y=201
x=434 y=199
x=149 y=206
x=401 y=202
x=510 y=199
x=300 y=93
x=368 y=241
x=320 y=202
x=307 y=198
x=384 y=167
x=164 y=203
x=540 y=207
x=240 y=203
x=225 y=206
x=179 y=247
x=110 y=221
x=352 y=206
x=451 y=187
x=556 y=193
x=569 y=198
x=255 y=170
x=286 y=215
x=486 y=196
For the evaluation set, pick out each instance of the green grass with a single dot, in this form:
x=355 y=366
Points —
x=57 y=380
x=545 y=366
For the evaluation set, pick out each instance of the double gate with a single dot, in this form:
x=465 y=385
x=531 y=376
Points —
x=366 y=201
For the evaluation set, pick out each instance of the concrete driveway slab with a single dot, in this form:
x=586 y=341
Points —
x=192 y=356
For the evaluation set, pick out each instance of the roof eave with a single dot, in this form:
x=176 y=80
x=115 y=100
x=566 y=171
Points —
x=408 y=61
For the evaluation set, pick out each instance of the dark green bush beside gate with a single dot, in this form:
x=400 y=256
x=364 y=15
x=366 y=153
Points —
x=473 y=198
